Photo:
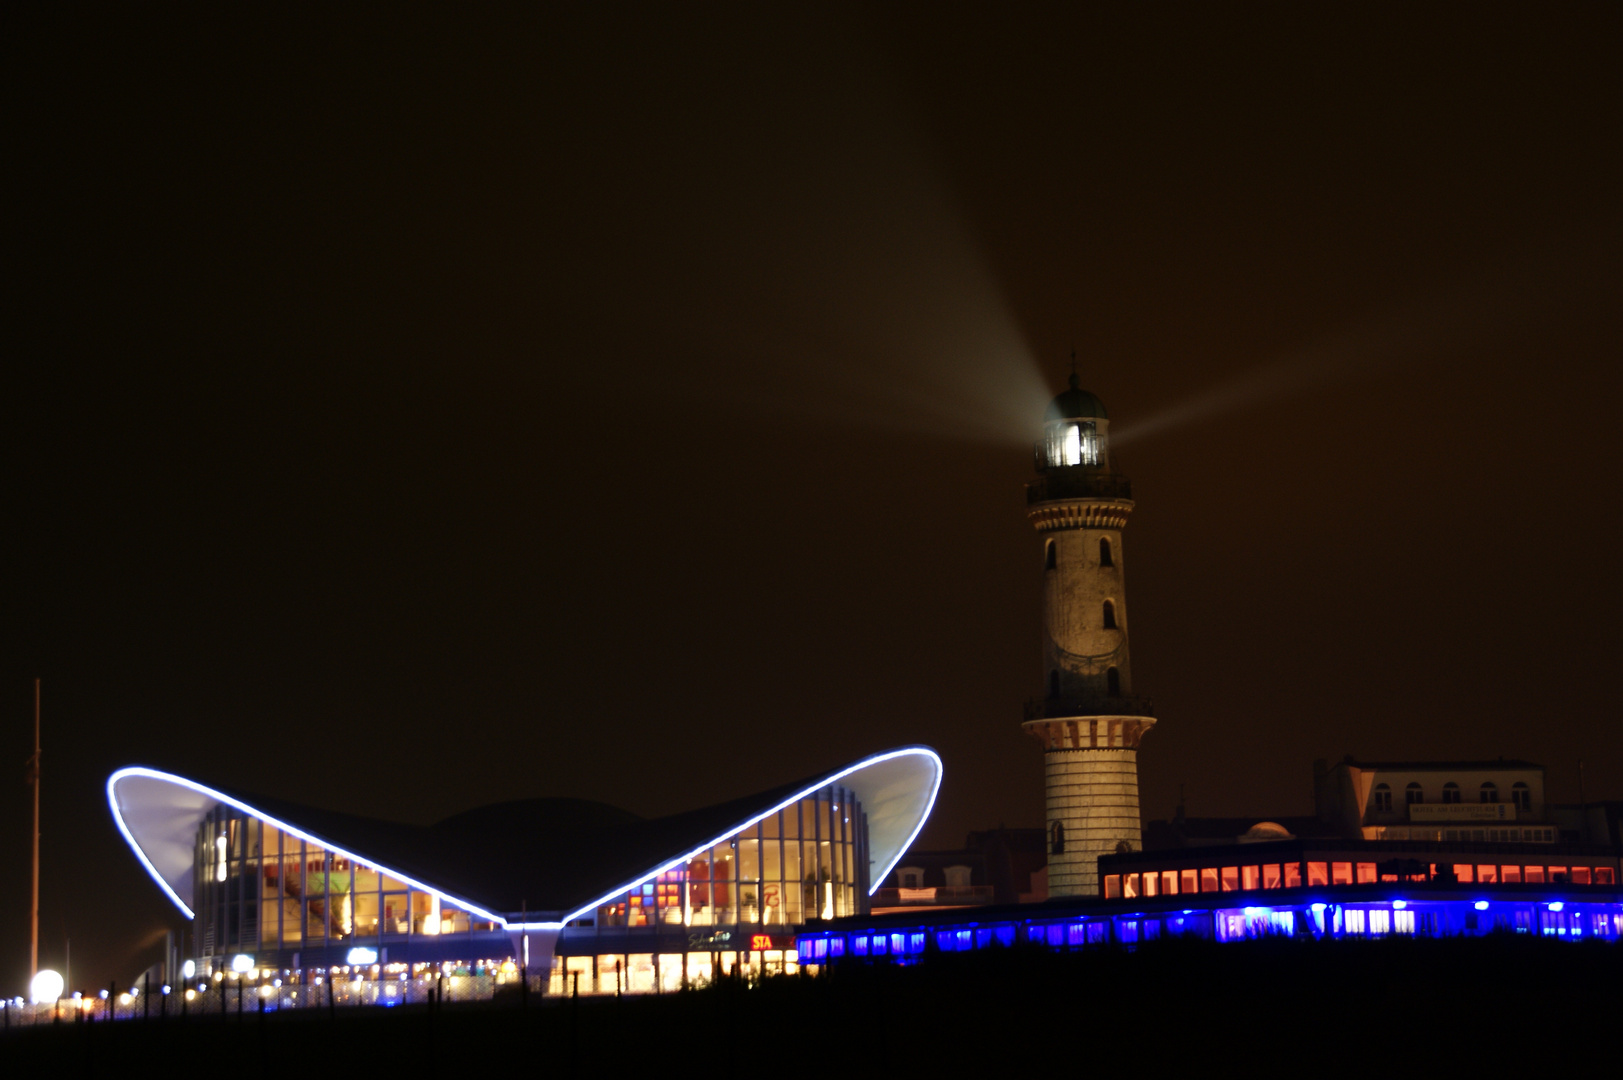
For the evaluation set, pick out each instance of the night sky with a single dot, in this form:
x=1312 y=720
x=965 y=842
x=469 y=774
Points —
x=413 y=410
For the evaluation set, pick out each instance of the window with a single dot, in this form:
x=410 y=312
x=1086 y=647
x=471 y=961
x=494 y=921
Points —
x=1490 y=792
x=1533 y=875
x=1188 y=881
x=1053 y=684
x=958 y=877
x=1487 y=873
x=1383 y=799
x=1341 y=873
x=1318 y=873
x=1208 y=879
x=1293 y=875
x=1451 y=792
x=1270 y=876
x=1056 y=838
x=1151 y=880
x=1050 y=556
x=1352 y=920
x=1413 y=795
x=1462 y=873
x=1110 y=615
x=1380 y=921
x=1366 y=873
x=1521 y=796
x=1113 y=682
x=910 y=877
x=1104 y=553
x=1112 y=886
x=1231 y=878
x=1250 y=877
x=1509 y=875
x=1169 y=883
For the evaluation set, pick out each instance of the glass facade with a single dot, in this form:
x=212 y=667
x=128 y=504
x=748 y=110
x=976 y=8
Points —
x=260 y=889
x=807 y=861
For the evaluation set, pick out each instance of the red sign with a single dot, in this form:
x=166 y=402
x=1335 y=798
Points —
x=759 y=942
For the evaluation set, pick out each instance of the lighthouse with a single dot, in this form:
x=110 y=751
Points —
x=1088 y=719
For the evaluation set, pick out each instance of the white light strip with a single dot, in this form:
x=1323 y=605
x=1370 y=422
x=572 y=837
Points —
x=153 y=774
x=878 y=879
x=790 y=801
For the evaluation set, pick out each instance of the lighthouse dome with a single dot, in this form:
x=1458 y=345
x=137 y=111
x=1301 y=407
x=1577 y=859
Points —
x=1075 y=404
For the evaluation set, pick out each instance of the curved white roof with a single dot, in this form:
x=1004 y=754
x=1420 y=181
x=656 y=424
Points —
x=159 y=814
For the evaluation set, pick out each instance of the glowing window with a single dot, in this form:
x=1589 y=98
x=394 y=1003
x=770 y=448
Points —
x=1152 y=882
x=1318 y=873
x=1510 y=875
x=1169 y=882
x=1208 y=879
x=1352 y=921
x=1112 y=886
x=1104 y=553
x=1380 y=921
x=1110 y=616
x=1366 y=873
x=1533 y=875
x=1604 y=876
x=1189 y=881
x=1271 y=878
x=1580 y=875
x=1403 y=921
x=1231 y=878
x=1250 y=877
x=1341 y=873
x=1129 y=885
x=1487 y=874
x=1557 y=874
x=1462 y=872
x=1293 y=875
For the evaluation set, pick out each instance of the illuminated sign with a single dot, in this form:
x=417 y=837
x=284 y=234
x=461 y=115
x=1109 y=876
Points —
x=1462 y=812
x=762 y=942
x=360 y=957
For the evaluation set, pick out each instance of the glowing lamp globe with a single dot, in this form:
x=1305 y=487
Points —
x=45 y=987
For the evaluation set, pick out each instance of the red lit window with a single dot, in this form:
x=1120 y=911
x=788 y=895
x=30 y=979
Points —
x=1270 y=876
x=1208 y=879
x=1129 y=885
x=1580 y=875
x=1293 y=875
x=1341 y=873
x=1318 y=873
x=1533 y=875
x=1487 y=873
x=1366 y=873
x=1190 y=881
x=1554 y=870
x=1112 y=886
x=1462 y=871
x=1510 y=875
x=1604 y=876
x=1250 y=877
x=1151 y=880
x=1231 y=878
x=1169 y=882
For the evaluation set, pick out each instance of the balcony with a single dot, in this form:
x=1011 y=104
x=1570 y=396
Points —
x=935 y=896
x=1078 y=482
x=1059 y=708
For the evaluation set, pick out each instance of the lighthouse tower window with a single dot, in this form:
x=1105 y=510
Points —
x=1056 y=838
x=1110 y=616
x=1104 y=553
x=1050 y=556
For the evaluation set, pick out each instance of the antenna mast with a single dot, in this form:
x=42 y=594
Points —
x=33 y=906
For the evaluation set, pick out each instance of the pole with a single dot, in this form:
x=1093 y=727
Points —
x=33 y=779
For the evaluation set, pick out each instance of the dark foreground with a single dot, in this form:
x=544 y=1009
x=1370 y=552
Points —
x=1310 y=1008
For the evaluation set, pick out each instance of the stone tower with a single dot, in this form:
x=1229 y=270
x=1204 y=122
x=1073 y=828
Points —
x=1088 y=720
